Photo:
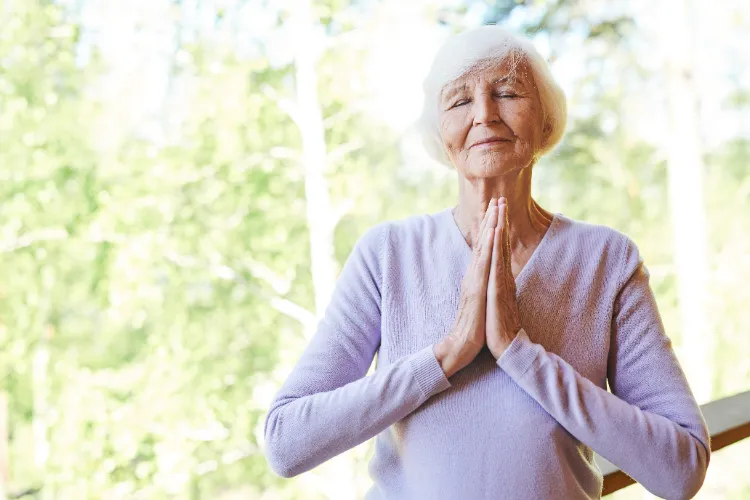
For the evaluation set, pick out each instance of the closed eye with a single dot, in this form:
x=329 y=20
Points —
x=460 y=102
x=507 y=95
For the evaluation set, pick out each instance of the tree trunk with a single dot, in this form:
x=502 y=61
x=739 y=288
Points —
x=337 y=478
x=685 y=170
x=320 y=217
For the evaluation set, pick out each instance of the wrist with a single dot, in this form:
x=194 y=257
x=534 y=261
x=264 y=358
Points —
x=499 y=346
x=498 y=349
x=444 y=353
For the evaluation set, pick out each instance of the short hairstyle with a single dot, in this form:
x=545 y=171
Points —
x=476 y=49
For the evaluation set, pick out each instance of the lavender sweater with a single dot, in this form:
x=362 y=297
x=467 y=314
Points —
x=524 y=426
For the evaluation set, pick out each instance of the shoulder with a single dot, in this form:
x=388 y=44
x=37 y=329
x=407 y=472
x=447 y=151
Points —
x=598 y=235
x=392 y=233
x=611 y=248
x=400 y=233
x=404 y=245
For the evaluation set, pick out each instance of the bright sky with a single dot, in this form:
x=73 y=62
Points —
x=404 y=47
x=400 y=43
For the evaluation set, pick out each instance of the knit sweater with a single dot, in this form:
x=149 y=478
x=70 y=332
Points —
x=525 y=426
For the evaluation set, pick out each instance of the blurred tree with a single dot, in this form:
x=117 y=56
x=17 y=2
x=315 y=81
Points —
x=45 y=164
x=171 y=227
x=685 y=161
x=4 y=451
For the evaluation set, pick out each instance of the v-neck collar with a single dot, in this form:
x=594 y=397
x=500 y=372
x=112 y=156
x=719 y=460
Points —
x=522 y=277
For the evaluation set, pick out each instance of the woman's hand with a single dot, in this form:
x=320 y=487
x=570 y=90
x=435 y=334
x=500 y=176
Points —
x=467 y=337
x=502 y=310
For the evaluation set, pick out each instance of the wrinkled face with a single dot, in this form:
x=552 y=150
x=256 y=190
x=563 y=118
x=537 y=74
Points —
x=491 y=120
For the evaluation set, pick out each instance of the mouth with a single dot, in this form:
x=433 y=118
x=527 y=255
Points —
x=489 y=141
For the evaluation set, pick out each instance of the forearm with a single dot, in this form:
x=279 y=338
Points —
x=663 y=454
x=303 y=431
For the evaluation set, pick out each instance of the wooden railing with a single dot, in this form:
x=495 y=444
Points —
x=728 y=421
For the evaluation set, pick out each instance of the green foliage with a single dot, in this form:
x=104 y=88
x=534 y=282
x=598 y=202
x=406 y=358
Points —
x=147 y=275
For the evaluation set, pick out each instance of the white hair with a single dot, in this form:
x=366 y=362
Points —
x=477 y=49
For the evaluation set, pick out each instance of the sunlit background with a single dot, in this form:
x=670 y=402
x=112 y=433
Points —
x=182 y=180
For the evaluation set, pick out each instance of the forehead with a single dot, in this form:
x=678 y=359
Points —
x=509 y=69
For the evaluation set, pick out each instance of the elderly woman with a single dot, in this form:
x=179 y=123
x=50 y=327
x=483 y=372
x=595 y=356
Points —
x=497 y=324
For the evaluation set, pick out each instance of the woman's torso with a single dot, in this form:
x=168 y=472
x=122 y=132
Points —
x=485 y=429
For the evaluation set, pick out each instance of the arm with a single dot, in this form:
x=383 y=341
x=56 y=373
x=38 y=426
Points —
x=327 y=405
x=650 y=425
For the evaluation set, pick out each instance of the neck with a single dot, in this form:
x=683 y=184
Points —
x=528 y=221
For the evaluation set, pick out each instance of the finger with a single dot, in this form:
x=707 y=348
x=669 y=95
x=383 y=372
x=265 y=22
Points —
x=488 y=237
x=486 y=217
x=506 y=241
x=484 y=259
x=507 y=254
x=482 y=224
x=483 y=227
x=497 y=253
x=492 y=281
x=473 y=279
x=490 y=207
x=498 y=247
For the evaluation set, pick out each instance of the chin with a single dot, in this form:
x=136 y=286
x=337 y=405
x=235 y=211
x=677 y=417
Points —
x=493 y=164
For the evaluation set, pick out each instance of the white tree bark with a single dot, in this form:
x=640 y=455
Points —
x=321 y=218
x=685 y=171
x=336 y=478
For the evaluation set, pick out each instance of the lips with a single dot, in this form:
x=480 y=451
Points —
x=490 y=140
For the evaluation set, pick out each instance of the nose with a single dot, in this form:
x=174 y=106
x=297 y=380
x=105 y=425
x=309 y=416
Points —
x=485 y=109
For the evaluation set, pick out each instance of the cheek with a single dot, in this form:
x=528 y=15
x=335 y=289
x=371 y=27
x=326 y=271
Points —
x=525 y=121
x=453 y=131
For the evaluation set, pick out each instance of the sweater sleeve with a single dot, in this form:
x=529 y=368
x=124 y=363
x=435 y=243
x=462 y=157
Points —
x=650 y=426
x=327 y=405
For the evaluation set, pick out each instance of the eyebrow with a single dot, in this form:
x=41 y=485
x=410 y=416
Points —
x=452 y=91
